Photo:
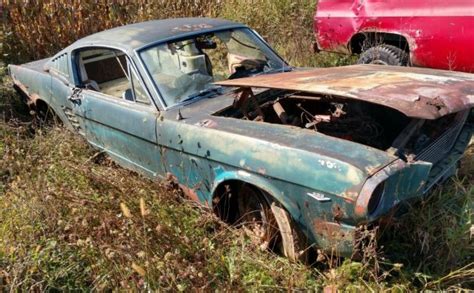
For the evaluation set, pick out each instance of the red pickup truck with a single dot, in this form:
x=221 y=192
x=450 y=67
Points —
x=436 y=33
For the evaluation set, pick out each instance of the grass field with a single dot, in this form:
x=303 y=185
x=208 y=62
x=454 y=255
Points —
x=72 y=219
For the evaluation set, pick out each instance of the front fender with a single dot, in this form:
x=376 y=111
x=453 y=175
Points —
x=253 y=179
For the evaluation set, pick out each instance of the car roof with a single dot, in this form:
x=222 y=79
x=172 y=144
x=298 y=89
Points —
x=137 y=35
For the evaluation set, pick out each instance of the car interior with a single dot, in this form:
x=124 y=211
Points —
x=179 y=68
x=107 y=71
x=189 y=66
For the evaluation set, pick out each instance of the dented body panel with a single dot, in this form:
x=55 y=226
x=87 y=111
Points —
x=325 y=182
x=438 y=33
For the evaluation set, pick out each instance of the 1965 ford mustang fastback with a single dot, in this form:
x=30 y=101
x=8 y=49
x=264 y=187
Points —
x=296 y=157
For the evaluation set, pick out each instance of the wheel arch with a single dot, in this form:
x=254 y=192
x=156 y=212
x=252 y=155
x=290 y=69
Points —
x=47 y=112
x=244 y=177
x=40 y=103
x=33 y=100
x=362 y=40
x=293 y=237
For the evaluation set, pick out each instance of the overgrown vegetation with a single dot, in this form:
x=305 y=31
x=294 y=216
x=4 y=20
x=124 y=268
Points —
x=39 y=30
x=71 y=219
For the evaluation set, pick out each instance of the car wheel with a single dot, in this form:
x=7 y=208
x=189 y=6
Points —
x=45 y=116
x=269 y=225
x=384 y=55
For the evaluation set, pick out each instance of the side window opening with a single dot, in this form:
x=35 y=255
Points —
x=108 y=71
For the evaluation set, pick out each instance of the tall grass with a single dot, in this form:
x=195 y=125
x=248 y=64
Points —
x=39 y=29
x=70 y=219
x=36 y=30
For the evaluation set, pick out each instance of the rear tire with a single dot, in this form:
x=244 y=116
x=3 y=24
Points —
x=384 y=55
x=45 y=116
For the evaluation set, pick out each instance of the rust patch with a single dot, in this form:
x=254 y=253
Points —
x=330 y=230
x=171 y=182
x=189 y=192
x=349 y=196
x=21 y=86
x=208 y=123
x=33 y=99
x=416 y=92
x=349 y=200
x=338 y=213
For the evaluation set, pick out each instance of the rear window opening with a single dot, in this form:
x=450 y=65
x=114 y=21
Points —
x=369 y=124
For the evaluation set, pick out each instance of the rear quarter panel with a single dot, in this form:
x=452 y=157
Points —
x=38 y=84
x=34 y=84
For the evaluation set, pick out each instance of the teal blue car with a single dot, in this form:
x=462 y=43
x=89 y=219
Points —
x=298 y=158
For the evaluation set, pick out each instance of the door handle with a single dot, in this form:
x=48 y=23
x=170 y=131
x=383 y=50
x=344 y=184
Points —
x=76 y=96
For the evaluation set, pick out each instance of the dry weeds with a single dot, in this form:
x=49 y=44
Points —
x=71 y=219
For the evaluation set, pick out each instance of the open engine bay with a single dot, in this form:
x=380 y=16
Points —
x=366 y=123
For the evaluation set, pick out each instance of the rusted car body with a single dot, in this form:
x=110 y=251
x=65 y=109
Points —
x=319 y=151
x=436 y=34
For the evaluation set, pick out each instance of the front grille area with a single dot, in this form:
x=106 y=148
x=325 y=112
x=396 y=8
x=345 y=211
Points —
x=438 y=149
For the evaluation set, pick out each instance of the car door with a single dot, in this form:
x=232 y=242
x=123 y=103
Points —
x=124 y=127
x=440 y=32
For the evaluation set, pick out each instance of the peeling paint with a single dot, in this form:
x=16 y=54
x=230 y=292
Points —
x=331 y=231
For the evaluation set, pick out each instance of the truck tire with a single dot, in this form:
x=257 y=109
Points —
x=384 y=55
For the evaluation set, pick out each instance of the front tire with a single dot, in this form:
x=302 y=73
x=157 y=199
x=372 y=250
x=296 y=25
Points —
x=268 y=224
x=384 y=55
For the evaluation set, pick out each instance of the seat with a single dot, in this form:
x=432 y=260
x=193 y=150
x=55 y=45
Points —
x=115 y=87
x=88 y=83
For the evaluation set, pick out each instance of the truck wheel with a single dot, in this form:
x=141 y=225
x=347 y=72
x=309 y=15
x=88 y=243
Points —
x=384 y=55
x=269 y=225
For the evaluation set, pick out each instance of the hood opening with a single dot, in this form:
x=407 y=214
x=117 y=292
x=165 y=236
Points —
x=369 y=124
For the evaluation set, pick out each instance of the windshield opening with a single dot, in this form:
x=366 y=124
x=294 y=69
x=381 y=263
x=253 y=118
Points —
x=185 y=68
